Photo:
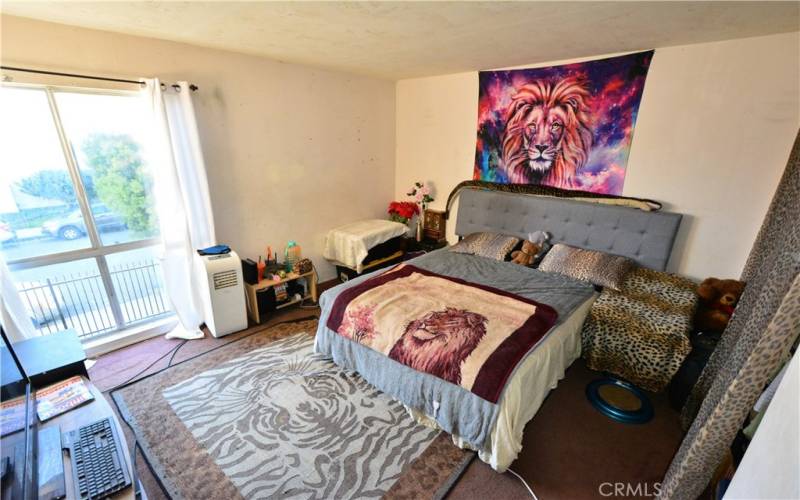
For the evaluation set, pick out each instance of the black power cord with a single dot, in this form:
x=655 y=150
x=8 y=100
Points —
x=174 y=352
x=131 y=381
x=137 y=493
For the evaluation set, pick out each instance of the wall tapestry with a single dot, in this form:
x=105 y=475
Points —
x=568 y=126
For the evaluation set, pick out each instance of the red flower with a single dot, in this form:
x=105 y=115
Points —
x=403 y=209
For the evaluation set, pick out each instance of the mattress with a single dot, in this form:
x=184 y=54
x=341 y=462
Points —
x=387 y=250
x=524 y=394
x=494 y=430
x=349 y=245
x=385 y=254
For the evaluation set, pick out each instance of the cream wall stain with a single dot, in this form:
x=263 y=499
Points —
x=713 y=134
x=291 y=151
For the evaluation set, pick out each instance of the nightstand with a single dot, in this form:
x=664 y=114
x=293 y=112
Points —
x=426 y=245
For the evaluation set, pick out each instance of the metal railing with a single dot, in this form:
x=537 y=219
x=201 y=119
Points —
x=79 y=301
x=140 y=291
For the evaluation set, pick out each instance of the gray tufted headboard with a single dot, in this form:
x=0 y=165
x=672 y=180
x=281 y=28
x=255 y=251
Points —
x=645 y=237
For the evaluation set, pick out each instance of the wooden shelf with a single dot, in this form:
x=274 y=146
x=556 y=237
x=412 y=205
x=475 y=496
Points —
x=261 y=285
x=252 y=290
x=293 y=301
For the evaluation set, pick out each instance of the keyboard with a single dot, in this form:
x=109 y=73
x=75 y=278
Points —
x=98 y=465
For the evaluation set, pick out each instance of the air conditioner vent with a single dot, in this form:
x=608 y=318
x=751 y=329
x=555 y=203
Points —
x=225 y=279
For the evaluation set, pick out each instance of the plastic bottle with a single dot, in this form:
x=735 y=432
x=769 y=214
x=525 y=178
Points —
x=260 y=267
x=291 y=255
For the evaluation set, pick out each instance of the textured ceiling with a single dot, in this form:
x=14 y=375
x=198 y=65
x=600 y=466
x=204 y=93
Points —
x=398 y=40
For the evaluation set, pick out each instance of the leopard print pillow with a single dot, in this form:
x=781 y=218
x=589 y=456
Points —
x=490 y=245
x=600 y=268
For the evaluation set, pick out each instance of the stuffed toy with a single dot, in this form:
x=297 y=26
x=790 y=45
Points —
x=532 y=248
x=718 y=299
x=527 y=254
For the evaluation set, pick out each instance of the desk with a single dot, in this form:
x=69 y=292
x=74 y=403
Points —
x=252 y=300
x=97 y=409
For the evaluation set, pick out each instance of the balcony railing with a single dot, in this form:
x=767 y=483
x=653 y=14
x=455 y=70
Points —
x=81 y=302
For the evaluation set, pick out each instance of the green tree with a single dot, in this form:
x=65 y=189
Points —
x=55 y=185
x=121 y=179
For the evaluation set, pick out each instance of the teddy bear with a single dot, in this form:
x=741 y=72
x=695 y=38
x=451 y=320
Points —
x=531 y=249
x=527 y=254
x=718 y=299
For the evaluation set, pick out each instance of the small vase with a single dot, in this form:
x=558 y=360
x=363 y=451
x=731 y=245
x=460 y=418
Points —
x=419 y=229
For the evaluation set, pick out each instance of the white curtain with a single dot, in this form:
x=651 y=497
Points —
x=182 y=199
x=13 y=316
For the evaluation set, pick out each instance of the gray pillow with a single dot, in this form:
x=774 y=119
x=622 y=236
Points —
x=588 y=265
x=490 y=245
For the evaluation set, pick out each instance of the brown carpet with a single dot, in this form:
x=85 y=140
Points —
x=326 y=450
x=117 y=367
x=569 y=448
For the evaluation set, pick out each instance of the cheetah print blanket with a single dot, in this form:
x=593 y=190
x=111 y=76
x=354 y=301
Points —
x=641 y=333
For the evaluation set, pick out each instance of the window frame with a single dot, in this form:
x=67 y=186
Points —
x=97 y=250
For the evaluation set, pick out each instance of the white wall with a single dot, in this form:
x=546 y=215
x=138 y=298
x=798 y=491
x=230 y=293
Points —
x=771 y=465
x=291 y=151
x=713 y=134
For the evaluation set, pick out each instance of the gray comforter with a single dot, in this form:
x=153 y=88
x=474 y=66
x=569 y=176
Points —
x=456 y=410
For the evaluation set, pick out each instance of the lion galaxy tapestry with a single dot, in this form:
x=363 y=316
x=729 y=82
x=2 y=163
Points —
x=567 y=126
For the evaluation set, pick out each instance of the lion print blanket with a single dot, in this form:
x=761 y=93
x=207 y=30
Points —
x=467 y=334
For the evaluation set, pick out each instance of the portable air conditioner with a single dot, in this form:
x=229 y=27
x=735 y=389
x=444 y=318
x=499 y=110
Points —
x=223 y=293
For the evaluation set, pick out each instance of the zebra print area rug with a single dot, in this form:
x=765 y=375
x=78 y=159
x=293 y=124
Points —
x=265 y=417
x=284 y=422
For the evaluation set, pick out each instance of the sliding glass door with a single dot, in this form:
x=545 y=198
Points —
x=78 y=227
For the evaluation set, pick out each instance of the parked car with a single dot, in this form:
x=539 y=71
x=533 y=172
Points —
x=72 y=227
x=6 y=233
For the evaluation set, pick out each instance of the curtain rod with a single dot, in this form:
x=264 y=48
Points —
x=192 y=86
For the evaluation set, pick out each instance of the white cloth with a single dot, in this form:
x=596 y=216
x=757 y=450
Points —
x=349 y=244
x=525 y=391
x=769 y=392
x=13 y=316
x=183 y=203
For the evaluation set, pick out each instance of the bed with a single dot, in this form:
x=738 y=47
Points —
x=364 y=246
x=476 y=420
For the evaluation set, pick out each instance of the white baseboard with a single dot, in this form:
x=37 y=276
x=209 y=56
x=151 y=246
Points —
x=128 y=336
